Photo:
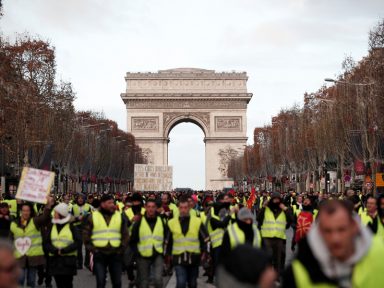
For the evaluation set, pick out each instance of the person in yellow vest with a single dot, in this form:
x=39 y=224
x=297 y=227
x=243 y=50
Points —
x=243 y=231
x=9 y=269
x=371 y=217
x=186 y=240
x=263 y=198
x=12 y=205
x=217 y=220
x=303 y=219
x=337 y=252
x=137 y=210
x=194 y=211
x=133 y=212
x=273 y=219
x=147 y=238
x=297 y=205
x=370 y=213
x=119 y=202
x=61 y=242
x=81 y=210
x=28 y=242
x=105 y=234
x=170 y=208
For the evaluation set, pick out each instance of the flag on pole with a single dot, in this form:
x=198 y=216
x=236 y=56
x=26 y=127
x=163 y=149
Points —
x=252 y=198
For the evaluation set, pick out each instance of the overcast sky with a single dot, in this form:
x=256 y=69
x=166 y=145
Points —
x=287 y=47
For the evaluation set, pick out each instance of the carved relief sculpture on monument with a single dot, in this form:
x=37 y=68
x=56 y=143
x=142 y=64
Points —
x=226 y=155
x=145 y=123
x=228 y=123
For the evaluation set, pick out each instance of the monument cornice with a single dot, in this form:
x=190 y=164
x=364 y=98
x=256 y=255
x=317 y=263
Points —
x=184 y=95
x=186 y=103
x=186 y=73
x=192 y=97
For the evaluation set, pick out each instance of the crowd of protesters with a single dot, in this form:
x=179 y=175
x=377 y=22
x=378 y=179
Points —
x=235 y=239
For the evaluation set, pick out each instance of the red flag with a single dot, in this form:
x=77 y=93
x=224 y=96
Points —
x=252 y=198
x=304 y=223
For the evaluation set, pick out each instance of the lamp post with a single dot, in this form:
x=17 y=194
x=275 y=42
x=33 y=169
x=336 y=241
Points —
x=365 y=109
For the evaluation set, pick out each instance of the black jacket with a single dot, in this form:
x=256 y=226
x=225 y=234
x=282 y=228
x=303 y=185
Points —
x=57 y=264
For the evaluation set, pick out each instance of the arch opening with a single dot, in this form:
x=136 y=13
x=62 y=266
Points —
x=186 y=153
x=185 y=119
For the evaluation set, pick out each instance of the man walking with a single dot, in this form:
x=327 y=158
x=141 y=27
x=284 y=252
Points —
x=337 y=252
x=148 y=239
x=186 y=240
x=81 y=210
x=273 y=219
x=106 y=236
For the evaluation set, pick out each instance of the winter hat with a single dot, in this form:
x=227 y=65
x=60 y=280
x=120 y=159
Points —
x=244 y=213
x=106 y=197
x=137 y=197
x=63 y=210
x=275 y=195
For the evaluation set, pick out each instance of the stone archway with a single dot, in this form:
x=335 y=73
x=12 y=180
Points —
x=216 y=102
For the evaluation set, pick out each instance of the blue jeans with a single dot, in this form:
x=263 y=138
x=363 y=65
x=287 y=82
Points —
x=186 y=274
x=114 y=263
x=144 y=266
x=29 y=273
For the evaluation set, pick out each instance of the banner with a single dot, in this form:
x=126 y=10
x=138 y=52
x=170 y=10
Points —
x=153 y=178
x=35 y=185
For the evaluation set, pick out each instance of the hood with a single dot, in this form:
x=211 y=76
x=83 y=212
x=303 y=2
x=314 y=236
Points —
x=331 y=267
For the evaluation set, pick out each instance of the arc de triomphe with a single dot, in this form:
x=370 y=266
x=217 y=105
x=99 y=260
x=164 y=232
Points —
x=216 y=102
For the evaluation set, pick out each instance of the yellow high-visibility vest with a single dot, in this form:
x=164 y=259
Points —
x=217 y=234
x=63 y=239
x=120 y=205
x=149 y=240
x=30 y=231
x=12 y=204
x=273 y=228
x=237 y=236
x=185 y=243
x=194 y=213
x=103 y=234
x=130 y=214
x=365 y=218
x=175 y=210
x=380 y=229
x=367 y=273
x=76 y=209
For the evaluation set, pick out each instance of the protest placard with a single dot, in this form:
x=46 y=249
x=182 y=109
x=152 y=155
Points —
x=153 y=177
x=35 y=185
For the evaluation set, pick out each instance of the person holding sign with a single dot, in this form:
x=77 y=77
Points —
x=62 y=240
x=27 y=239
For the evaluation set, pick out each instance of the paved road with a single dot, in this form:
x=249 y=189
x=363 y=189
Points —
x=85 y=279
